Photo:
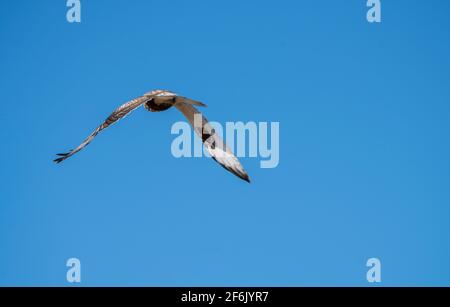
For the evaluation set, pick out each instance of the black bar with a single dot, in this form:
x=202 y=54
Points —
x=223 y=296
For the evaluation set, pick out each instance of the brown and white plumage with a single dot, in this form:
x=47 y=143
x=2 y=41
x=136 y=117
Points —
x=213 y=143
x=161 y=100
x=118 y=114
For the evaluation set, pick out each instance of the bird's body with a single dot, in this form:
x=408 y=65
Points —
x=162 y=100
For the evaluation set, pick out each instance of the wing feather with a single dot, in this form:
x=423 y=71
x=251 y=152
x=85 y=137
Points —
x=213 y=143
x=117 y=115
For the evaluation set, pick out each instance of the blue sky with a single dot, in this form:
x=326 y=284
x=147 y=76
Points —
x=364 y=143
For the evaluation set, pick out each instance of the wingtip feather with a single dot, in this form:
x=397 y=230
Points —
x=62 y=157
x=59 y=160
x=247 y=179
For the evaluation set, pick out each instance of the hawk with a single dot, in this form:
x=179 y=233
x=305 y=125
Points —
x=161 y=100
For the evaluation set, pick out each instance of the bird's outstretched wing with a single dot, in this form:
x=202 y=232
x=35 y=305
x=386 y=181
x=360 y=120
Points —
x=213 y=143
x=118 y=114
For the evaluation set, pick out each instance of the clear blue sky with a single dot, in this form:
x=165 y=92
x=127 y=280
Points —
x=364 y=146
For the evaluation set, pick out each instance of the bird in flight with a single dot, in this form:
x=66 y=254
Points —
x=161 y=100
